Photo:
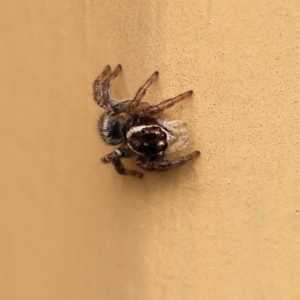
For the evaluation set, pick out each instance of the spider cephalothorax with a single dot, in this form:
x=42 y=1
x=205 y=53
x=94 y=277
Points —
x=139 y=127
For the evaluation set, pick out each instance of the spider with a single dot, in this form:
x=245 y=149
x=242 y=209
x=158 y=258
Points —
x=139 y=128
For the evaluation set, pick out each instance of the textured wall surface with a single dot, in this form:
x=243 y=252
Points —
x=225 y=226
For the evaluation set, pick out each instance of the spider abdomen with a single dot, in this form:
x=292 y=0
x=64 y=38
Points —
x=111 y=129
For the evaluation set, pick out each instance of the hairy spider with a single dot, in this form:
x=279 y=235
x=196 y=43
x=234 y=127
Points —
x=138 y=126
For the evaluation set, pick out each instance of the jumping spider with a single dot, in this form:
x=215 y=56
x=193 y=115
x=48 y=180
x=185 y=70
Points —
x=138 y=127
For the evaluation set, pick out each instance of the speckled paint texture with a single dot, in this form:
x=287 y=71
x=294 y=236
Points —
x=226 y=226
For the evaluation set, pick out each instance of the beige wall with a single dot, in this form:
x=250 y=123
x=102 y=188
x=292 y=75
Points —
x=226 y=226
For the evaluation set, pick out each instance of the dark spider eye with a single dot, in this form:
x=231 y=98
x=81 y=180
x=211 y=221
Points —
x=143 y=130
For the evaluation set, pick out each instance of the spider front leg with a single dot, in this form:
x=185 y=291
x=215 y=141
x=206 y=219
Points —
x=115 y=158
x=142 y=91
x=133 y=106
x=101 y=87
x=159 y=164
x=153 y=109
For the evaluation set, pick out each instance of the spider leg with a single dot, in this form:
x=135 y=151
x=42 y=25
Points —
x=142 y=91
x=153 y=109
x=97 y=85
x=101 y=87
x=115 y=158
x=159 y=164
x=116 y=72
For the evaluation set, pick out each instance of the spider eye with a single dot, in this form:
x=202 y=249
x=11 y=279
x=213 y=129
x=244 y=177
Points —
x=143 y=130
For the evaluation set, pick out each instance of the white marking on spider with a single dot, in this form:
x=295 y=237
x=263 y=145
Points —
x=136 y=129
x=118 y=152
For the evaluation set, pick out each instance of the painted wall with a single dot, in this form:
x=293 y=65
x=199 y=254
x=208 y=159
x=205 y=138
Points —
x=225 y=226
